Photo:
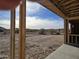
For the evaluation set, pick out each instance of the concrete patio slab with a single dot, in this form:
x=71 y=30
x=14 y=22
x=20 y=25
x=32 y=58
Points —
x=65 y=52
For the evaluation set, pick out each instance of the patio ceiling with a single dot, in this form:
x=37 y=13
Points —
x=64 y=8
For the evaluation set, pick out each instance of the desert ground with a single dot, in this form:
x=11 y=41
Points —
x=37 y=46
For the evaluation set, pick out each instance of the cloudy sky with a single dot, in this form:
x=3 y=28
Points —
x=37 y=17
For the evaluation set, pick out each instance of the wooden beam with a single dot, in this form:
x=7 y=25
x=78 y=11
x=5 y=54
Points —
x=75 y=10
x=73 y=18
x=67 y=3
x=72 y=8
x=12 y=41
x=52 y=7
x=33 y=0
x=73 y=14
x=40 y=0
x=63 y=1
x=22 y=30
x=66 y=31
x=56 y=1
x=73 y=5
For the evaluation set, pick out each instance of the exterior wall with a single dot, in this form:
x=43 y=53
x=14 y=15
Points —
x=74 y=33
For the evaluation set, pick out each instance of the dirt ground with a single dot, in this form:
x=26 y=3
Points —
x=37 y=46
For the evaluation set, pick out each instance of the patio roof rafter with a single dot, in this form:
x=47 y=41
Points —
x=63 y=8
x=48 y=4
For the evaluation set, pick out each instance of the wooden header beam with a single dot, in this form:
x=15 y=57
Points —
x=55 y=1
x=39 y=0
x=53 y=8
x=63 y=8
x=50 y=6
x=73 y=18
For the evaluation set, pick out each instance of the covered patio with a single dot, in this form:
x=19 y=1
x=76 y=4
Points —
x=67 y=9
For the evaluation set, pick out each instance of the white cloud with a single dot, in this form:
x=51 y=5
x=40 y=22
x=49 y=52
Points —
x=33 y=22
x=36 y=23
x=31 y=7
x=5 y=23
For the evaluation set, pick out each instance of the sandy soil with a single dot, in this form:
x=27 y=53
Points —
x=37 y=46
x=40 y=46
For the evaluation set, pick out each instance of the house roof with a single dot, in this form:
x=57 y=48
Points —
x=65 y=8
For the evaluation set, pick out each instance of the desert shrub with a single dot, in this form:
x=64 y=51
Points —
x=52 y=32
x=42 y=31
x=57 y=33
x=16 y=30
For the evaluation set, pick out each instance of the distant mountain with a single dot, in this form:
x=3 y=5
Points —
x=2 y=29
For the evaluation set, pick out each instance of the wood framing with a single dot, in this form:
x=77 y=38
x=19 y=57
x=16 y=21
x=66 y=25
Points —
x=55 y=1
x=8 y=4
x=12 y=40
x=63 y=8
x=66 y=31
x=22 y=30
x=73 y=18
x=52 y=7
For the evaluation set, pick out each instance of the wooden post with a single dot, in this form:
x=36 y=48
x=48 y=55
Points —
x=66 y=31
x=12 y=41
x=22 y=30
